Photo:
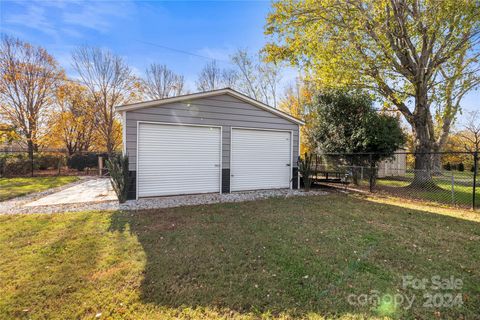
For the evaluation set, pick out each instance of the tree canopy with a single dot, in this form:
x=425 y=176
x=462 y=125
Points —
x=348 y=123
x=110 y=82
x=417 y=55
x=29 y=77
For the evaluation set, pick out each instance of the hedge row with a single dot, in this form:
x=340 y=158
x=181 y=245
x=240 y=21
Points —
x=82 y=161
x=19 y=164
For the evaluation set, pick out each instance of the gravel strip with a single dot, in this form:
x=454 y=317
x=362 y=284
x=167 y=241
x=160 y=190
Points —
x=160 y=202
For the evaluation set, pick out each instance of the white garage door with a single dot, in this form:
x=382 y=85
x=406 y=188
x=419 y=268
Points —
x=177 y=159
x=260 y=159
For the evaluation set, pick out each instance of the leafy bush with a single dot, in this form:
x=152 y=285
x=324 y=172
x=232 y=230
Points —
x=47 y=161
x=77 y=161
x=347 y=122
x=82 y=161
x=305 y=169
x=447 y=166
x=117 y=166
x=461 y=167
x=15 y=165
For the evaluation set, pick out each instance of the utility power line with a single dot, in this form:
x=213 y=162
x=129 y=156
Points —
x=184 y=52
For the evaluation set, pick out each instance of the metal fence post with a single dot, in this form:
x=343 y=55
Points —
x=475 y=171
x=32 y=166
x=371 y=173
x=453 y=188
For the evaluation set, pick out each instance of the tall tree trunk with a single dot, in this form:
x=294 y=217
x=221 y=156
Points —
x=439 y=144
x=423 y=141
x=423 y=168
x=437 y=164
x=109 y=141
x=31 y=150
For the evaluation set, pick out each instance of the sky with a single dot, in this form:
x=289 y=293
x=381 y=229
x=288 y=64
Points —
x=145 y=32
x=142 y=32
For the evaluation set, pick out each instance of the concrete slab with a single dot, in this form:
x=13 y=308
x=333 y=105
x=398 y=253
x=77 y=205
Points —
x=95 y=190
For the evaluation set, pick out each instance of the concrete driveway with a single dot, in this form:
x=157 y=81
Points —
x=96 y=190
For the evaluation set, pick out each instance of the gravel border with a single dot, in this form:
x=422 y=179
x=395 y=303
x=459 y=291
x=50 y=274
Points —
x=18 y=202
x=156 y=203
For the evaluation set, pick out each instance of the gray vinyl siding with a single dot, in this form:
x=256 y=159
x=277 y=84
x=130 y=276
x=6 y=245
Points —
x=223 y=110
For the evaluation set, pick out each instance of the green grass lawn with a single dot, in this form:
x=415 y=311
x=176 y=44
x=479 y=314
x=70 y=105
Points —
x=15 y=187
x=462 y=194
x=287 y=258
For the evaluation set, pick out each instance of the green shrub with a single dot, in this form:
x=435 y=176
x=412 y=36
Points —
x=461 y=167
x=448 y=166
x=117 y=166
x=47 y=161
x=305 y=169
x=77 y=161
x=82 y=161
x=15 y=165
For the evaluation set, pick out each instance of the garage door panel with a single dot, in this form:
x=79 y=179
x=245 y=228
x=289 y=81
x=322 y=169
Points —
x=175 y=159
x=261 y=159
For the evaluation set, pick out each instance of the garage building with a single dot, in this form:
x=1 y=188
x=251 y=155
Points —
x=217 y=141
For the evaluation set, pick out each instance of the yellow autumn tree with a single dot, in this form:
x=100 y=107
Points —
x=420 y=56
x=8 y=134
x=72 y=126
x=28 y=79
x=455 y=145
x=110 y=82
x=100 y=144
x=297 y=101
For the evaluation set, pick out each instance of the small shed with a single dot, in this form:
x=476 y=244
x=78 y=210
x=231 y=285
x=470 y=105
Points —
x=210 y=142
x=396 y=166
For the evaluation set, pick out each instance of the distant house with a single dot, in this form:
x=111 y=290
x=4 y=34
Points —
x=13 y=146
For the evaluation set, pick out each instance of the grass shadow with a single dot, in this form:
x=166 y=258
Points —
x=15 y=187
x=301 y=255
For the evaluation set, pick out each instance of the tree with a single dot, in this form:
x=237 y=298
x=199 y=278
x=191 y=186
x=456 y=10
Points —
x=8 y=134
x=162 y=82
x=28 y=80
x=229 y=78
x=73 y=125
x=257 y=79
x=464 y=141
x=348 y=124
x=401 y=50
x=110 y=82
x=454 y=148
x=212 y=77
x=100 y=144
x=298 y=101
x=457 y=79
x=470 y=135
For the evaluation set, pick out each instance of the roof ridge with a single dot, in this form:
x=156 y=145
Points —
x=198 y=95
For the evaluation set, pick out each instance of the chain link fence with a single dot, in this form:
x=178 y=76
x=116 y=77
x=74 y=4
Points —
x=50 y=163
x=452 y=178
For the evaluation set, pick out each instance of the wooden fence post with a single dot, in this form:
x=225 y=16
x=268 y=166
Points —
x=100 y=165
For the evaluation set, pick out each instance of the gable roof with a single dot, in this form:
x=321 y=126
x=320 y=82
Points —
x=207 y=94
